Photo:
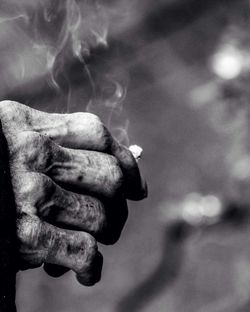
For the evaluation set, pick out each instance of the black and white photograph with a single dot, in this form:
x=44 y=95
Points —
x=124 y=156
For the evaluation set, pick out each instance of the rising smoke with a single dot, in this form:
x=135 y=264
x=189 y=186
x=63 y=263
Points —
x=52 y=45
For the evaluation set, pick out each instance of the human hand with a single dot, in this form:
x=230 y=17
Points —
x=70 y=180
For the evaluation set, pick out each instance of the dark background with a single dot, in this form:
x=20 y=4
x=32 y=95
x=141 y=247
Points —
x=173 y=76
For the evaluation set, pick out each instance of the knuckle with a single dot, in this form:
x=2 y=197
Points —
x=91 y=246
x=14 y=112
x=32 y=149
x=7 y=108
x=30 y=185
x=22 y=143
x=24 y=191
x=102 y=135
x=33 y=138
x=39 y=183
x=96 y=219
x=27 y=139
x=28 y=236
x=28 y=229
x=89 y=250
x=31 y=195
x=78 y=118
x=92 y=118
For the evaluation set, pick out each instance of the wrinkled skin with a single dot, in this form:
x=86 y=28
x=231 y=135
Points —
x=70 y=180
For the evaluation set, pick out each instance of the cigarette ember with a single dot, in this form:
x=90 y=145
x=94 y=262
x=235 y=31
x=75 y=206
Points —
x=136 y=151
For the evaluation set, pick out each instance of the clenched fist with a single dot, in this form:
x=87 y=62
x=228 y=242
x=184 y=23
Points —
x=70 y=180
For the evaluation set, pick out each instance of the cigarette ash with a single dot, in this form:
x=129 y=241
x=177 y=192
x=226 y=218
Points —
x=136 y=151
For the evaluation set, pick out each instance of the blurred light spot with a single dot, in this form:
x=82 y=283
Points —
x=227 y=63
x=201 y=210
x=191 y=209
x=211 y=206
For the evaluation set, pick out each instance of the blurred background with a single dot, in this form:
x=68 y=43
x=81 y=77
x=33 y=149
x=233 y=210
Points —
x=172 y=76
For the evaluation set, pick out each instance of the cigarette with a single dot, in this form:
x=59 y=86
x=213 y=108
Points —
x=136 y=151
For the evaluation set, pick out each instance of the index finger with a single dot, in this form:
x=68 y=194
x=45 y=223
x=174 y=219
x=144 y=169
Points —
x=86 y=131
x=80 y=131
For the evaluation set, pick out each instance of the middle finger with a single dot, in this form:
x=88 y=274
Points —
x=80 y=171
